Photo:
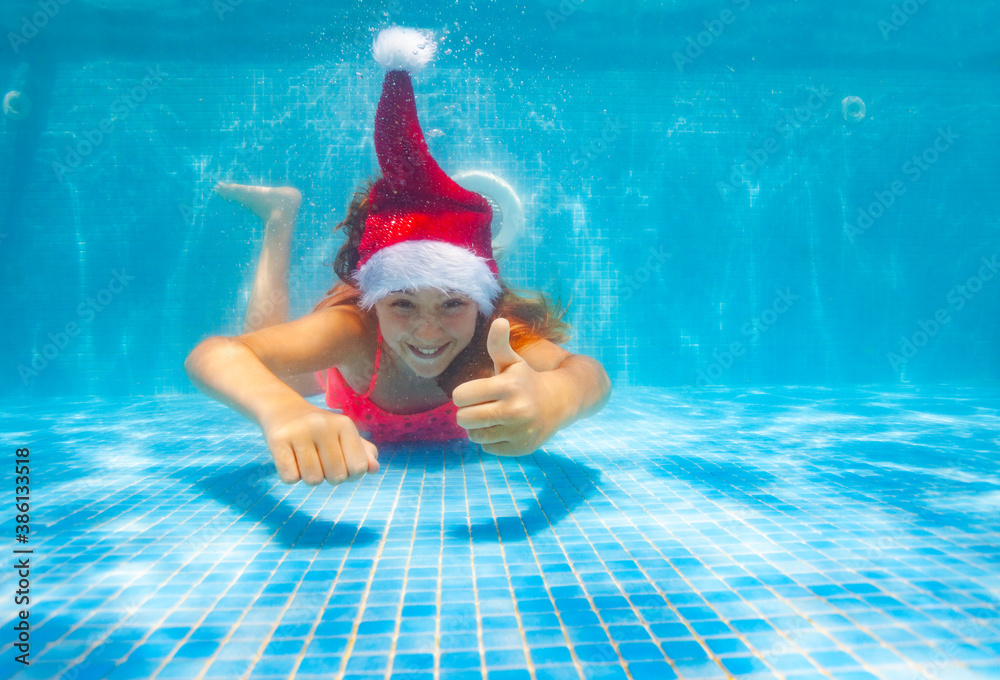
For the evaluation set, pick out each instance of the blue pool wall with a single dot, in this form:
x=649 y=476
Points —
x=632 y=212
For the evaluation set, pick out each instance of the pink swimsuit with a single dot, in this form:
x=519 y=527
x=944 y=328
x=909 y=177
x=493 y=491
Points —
x=435 y=425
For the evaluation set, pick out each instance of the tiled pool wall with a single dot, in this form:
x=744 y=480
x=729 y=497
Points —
x=672 y=280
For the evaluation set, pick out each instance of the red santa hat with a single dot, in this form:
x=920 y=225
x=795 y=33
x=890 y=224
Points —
x=424 y=230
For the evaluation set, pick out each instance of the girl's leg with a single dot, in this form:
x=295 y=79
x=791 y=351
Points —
x=278 y=208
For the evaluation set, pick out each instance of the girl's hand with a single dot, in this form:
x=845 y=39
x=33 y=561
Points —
x=313 y=444
x=514 y=412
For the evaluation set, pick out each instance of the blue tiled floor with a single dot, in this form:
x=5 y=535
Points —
x=787 y=533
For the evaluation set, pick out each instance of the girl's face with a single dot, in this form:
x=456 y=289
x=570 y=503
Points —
x=426 y=319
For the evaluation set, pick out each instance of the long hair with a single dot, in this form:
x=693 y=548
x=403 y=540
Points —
x=532 y=316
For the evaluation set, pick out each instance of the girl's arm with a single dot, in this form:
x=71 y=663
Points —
x=246 y=373
x=227 y=370
x=580 y=384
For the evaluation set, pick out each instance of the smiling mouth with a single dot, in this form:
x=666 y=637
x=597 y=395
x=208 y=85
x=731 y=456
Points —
x=424 y=355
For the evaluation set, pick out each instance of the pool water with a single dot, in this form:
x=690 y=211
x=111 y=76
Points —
x=731 y=195
x=792 y=533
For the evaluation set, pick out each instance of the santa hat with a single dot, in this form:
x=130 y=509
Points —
x=424 y=230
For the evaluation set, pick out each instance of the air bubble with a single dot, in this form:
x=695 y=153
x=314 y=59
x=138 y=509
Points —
x=854 y=108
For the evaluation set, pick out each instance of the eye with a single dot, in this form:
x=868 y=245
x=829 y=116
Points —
x=402 y=303
x=454 y=303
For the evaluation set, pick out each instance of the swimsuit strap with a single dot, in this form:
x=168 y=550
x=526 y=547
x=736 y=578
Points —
x=378 y=355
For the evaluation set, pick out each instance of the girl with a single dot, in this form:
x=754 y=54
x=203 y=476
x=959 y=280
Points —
x=420 y=339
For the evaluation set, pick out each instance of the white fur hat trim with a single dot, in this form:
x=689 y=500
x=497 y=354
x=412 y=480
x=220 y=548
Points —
x=427 y=264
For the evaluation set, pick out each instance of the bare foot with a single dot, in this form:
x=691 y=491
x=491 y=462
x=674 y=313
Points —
x=262 y=201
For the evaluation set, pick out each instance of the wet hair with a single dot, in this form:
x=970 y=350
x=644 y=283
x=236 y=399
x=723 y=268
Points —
x=531 y=314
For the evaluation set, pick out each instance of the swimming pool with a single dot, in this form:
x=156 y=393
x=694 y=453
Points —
x=775 y=223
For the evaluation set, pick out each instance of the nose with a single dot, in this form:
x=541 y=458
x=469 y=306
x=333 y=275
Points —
x=428 y=331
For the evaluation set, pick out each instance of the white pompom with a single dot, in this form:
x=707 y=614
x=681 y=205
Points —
x=404 y=48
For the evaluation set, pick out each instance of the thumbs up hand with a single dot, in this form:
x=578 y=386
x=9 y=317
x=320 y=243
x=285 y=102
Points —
x=510 y=413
